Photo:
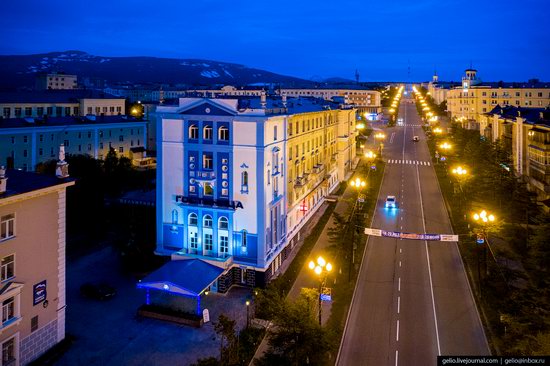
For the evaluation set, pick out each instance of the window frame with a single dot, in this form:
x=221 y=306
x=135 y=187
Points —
x=195 y=217
x=5 y=220
x=5 y=268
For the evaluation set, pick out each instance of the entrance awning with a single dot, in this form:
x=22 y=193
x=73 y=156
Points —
x=188 y=277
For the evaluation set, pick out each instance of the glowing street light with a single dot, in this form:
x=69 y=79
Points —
x=360 y=126
x=445 y=146
x=321 y=268
x=370 y=155
x=358 y=183
x=459 y=171
x=438 y=130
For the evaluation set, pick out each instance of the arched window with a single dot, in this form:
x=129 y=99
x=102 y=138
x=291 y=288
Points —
x=193 y=219
x=207 y=221
x=223 y=224
x=244 y=181
x=193 y=132
x=207 y=132
x=223 y=133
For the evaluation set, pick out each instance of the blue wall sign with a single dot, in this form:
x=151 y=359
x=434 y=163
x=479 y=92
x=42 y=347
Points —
x=39 y=293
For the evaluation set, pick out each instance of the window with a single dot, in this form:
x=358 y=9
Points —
x=208 y=190
x=274 y=133
x=193 y=240
x=97 y=110
x=223 y=133
x=89 y=147
x=120 y=149
x=101 y=145
x=49 y=111
x=25 y=139
x=8 y=352
x=193 y=219
x=244 y=181
x=224 y=244
x=119 y=109
x=223 y=224
x=28 y=111
x=206 y=161
x=207 y=221
x=208 y=242
x=67 y=111
x=58 y=111
x=7 y=227
x=6 y=112
x=244 y=239
x=90 y=110
x=24 y=153
x=8 y=267
x=75 y=111
x=8 y=310
x=120 y=138
x=40 y=151
x=207 y=132
x=34 y=323
x=17 y=112
x=193 y=132
x=66 y=143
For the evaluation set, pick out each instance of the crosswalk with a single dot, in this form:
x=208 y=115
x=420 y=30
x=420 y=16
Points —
x=410 y=162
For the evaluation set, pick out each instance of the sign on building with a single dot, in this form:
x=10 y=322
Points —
x=39 y=293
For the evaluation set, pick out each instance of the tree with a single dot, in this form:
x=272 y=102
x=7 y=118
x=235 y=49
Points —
x=225 y=328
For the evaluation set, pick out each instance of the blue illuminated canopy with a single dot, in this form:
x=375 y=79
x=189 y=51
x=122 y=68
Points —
x=188 y=277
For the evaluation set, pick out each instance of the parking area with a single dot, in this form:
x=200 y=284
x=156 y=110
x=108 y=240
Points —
x=108 y=332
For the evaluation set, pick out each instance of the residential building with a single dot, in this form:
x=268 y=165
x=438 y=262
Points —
x=26 y=142
x=46 y=81
x=32 y=255
x=473 y=98
x=60 y=103
x=238 y=178
x=525 y=132
x=366 y=101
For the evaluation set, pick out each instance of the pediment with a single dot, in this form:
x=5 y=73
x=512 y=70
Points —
x=206 y=108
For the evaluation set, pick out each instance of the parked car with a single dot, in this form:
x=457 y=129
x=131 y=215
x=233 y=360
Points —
x=416 y=139
x=391 y=202
x=98 y=291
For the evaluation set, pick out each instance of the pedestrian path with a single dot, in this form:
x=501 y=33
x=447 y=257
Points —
x=409 y=162
x=407 y=125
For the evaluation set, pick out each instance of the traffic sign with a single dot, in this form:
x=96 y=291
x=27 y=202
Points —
x=480 y=239
x=326 y=294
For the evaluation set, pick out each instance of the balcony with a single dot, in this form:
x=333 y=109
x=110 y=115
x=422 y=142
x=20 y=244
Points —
x=300 y=182
x=318 y=168
x=205 y=176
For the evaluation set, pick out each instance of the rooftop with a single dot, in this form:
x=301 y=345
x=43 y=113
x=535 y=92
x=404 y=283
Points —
x=531 y=115
x=54 y=96
x=20 y=182
x=64 y=121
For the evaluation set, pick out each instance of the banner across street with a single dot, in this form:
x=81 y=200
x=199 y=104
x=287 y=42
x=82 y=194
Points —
x=410 y=236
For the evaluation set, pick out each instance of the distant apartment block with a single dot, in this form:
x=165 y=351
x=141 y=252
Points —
x=366 y=101
x=32 y=255
x=467 y=102
x=60 y=103
x=25 y=142
x=55 y=81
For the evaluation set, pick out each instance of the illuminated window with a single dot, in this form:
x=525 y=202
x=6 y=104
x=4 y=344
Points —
x=193 y=132
x=207 y=221
x=223 y=223
x=244 y=238
x=208 y=242
x=223 y=133
x=193 y=219
x=207 y=133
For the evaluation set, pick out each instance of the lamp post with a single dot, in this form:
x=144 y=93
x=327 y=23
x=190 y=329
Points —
x=359 y=184
x=380 y=136
x=460 y=174
x=321 y=268
x=247 y=313
x=484 y=219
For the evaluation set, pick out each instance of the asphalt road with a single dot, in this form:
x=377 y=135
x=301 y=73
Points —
x=412 y=301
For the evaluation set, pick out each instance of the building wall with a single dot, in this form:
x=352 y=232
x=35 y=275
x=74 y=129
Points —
x=365 y=100
x=56 y=81
x=107 y=107
x=39 y=249
x=37 y=144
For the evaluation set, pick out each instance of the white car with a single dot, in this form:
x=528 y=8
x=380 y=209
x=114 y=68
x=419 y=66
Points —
x=416 y=139
x=391 y=202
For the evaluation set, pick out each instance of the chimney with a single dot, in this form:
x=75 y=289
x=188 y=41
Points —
x=263 y=99
x=3 y=180
x=284 y=99
x=62 y=169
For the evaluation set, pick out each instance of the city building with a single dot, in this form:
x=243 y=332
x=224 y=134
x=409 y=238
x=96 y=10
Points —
x=366 y=101
x=54 y=80
x=32 y=254
x=467 y=102
x=525 y=132
x=60 y=103
x=26 y=142
x=238 y=178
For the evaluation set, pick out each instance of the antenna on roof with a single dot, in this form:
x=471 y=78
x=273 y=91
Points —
x=357 y=76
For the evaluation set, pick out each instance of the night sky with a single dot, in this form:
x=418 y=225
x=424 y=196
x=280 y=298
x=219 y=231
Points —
x=504 y=39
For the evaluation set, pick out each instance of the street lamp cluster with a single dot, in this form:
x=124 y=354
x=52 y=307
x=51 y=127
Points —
x=396 y=100
x=429 y=115
x=321 y=268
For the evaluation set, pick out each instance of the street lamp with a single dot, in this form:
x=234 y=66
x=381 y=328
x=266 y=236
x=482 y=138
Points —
x=380 y=136
x=321 y=269
x=438 y=130
x=247 y=313
x=460 y=174
x=370 y=155
x=445 y=146
x=484 y=219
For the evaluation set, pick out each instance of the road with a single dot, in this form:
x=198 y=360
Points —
x=412 y=301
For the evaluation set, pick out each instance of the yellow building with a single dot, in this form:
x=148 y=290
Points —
x=473 y=98
x=55 y=81
x=32 y=253
x=60 y=103
x=525 y=132
x=321 y=152
x=366 y=101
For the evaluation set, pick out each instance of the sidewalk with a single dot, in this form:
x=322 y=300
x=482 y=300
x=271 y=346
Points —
x=305 y=278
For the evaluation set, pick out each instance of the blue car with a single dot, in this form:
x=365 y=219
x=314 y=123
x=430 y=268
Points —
x=391 y=202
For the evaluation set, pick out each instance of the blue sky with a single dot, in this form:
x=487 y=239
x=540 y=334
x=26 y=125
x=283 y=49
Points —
x=505 y=39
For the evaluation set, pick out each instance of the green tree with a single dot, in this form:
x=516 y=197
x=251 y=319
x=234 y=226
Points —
x=225 y=328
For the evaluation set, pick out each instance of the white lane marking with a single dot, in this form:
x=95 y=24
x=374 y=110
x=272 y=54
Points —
x=392 y=136
x=397 y=335
x=428 y=260
x=428 y=163
x=401 y=228
x=398 y=304
x=400 y=250
x=401 y=218
x=399 y=284
x=399 y=263
x=396 y=357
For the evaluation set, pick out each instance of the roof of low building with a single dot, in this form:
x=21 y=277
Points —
x=54 y=96
x=531 y=115
x=64 y=121
x=20 y=182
